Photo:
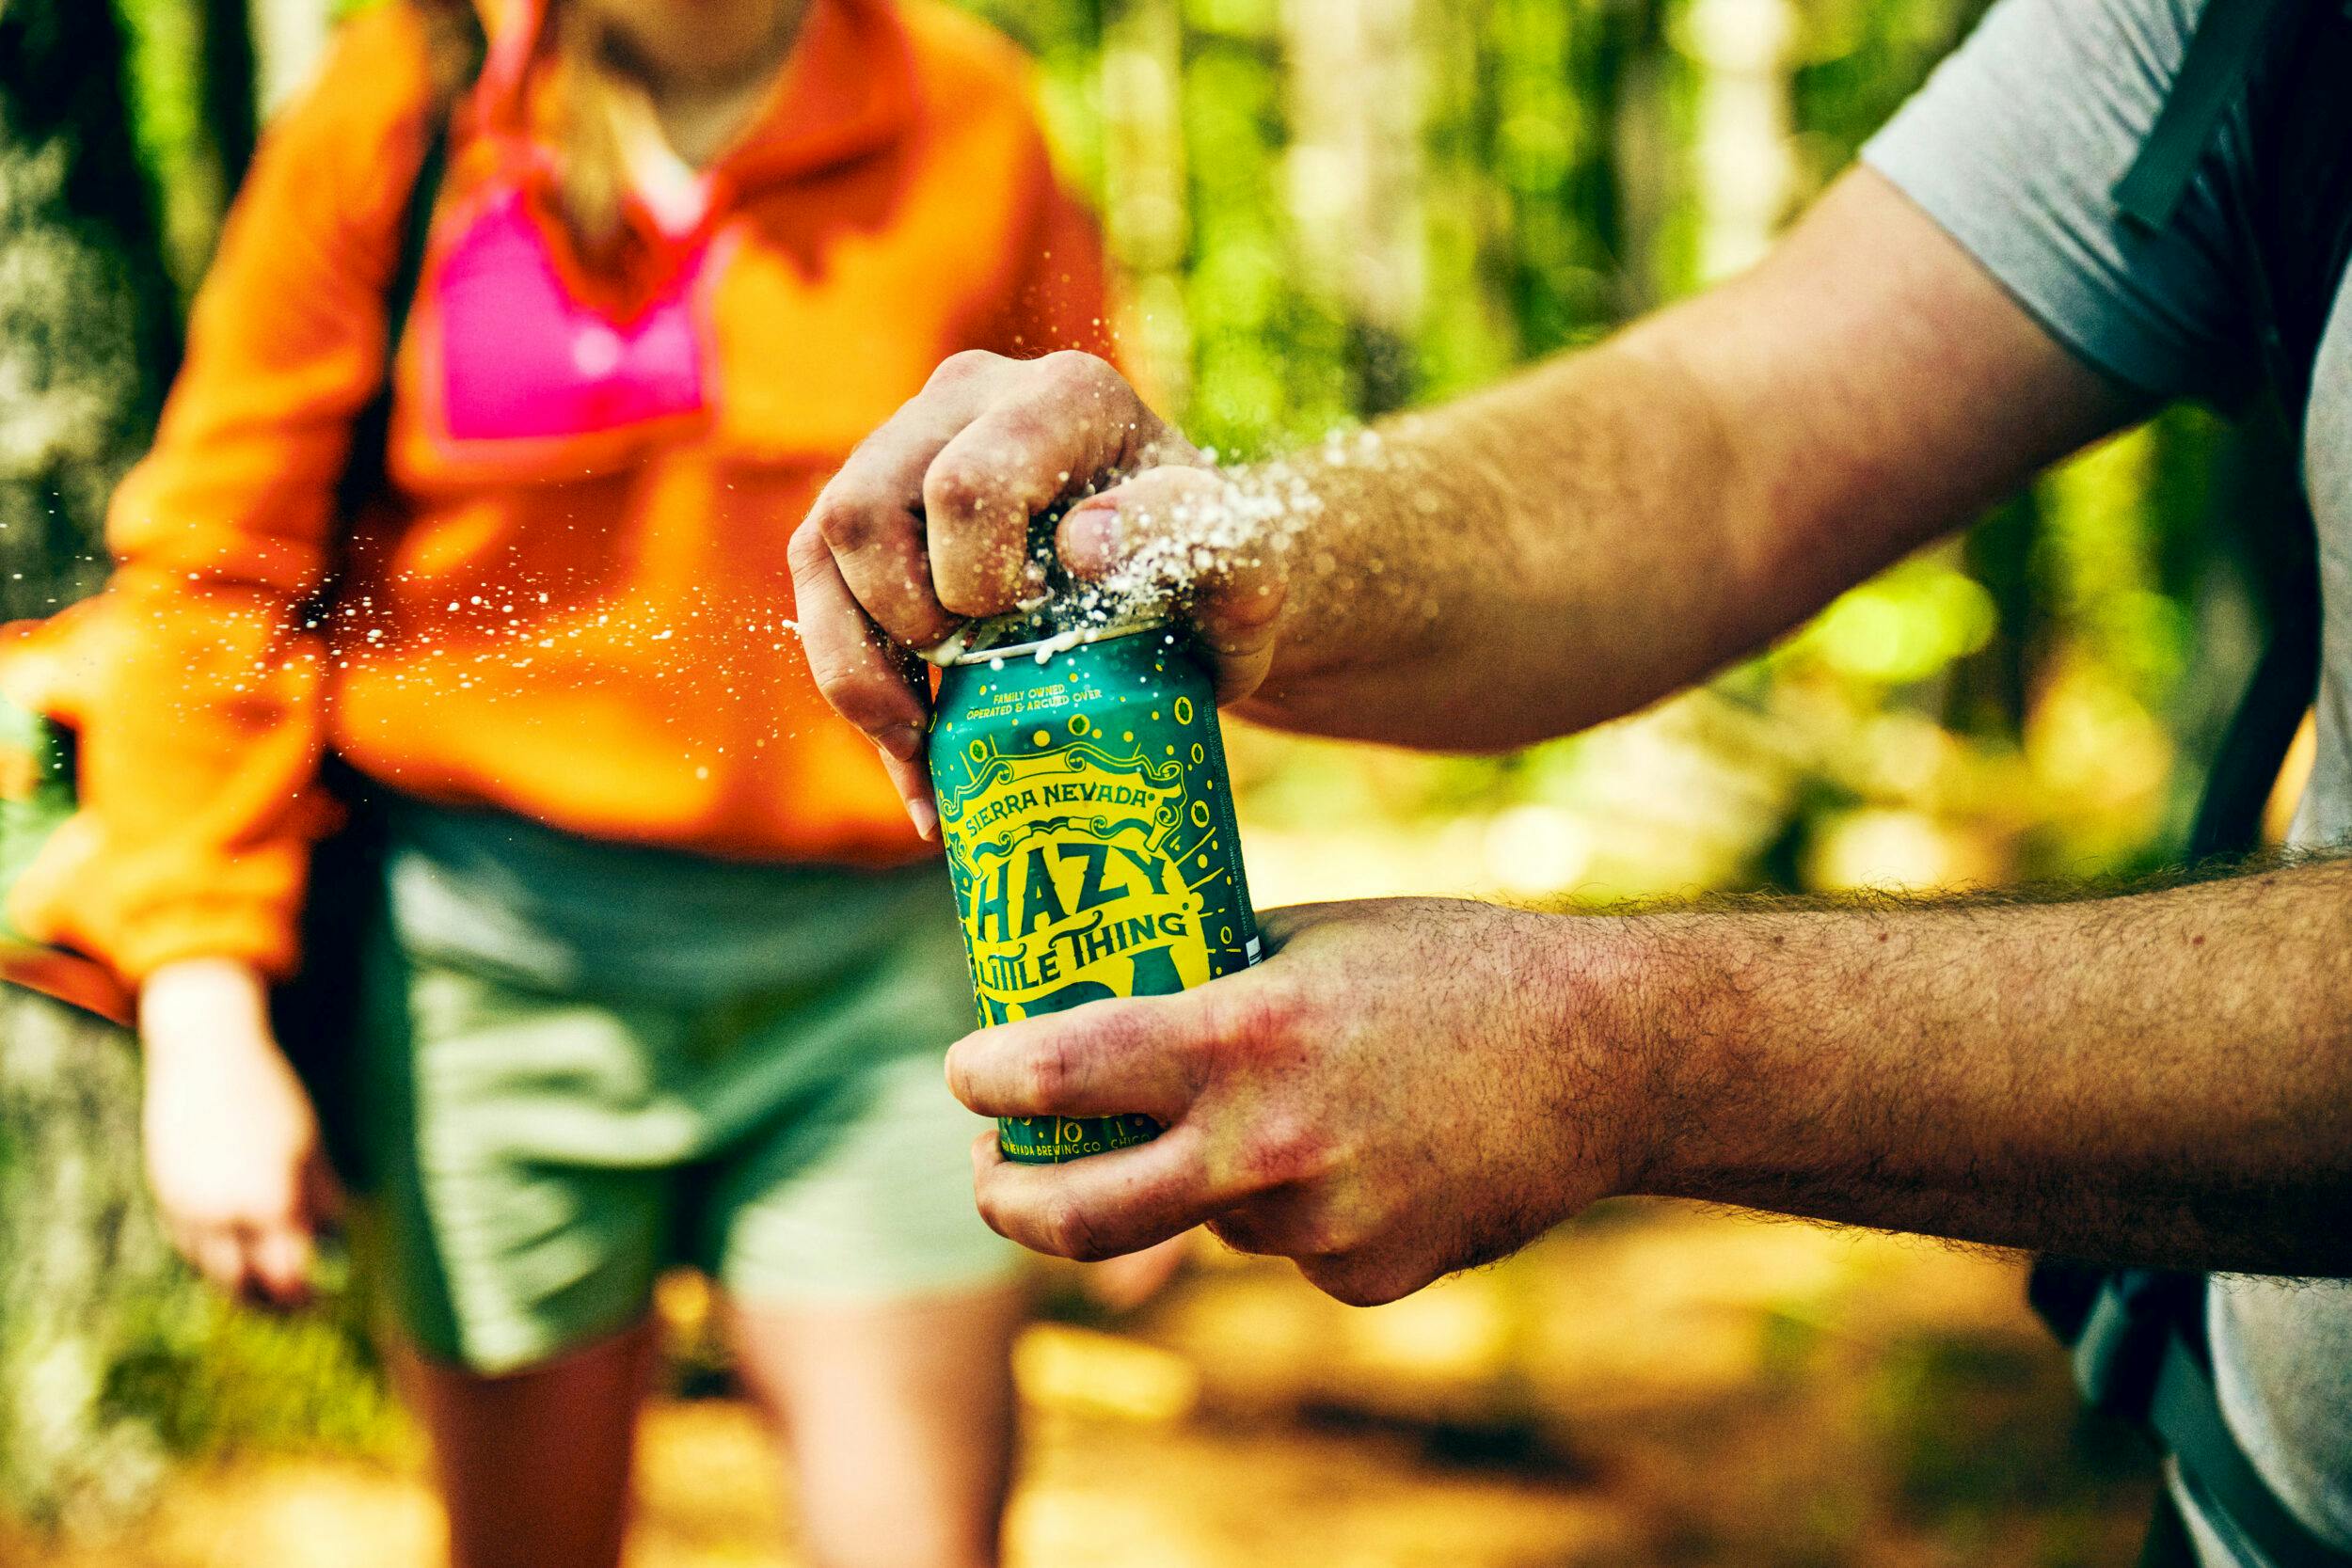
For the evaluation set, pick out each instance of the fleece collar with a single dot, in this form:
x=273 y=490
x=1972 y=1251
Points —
x=847 y=89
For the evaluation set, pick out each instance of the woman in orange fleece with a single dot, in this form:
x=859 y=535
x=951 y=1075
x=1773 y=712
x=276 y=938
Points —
x=667 y=976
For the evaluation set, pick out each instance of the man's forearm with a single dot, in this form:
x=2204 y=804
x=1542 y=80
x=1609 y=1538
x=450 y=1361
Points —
x=2165 y=1077
x=1617 y=522
x=1555 y=545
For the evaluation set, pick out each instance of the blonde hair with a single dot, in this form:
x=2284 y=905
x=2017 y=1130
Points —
x=590 y=178
x=590 y=175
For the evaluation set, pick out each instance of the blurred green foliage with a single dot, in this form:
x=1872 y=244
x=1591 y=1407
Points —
x=2040 y=699
x=114 y=1361
x=1326 y=209
x=120 y=128
x=206 y=1377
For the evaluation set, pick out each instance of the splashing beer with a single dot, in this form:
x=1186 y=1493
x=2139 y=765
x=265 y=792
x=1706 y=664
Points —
x=1089 y=823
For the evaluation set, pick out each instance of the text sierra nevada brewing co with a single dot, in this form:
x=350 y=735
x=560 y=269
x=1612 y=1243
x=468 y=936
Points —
x=1090 y=830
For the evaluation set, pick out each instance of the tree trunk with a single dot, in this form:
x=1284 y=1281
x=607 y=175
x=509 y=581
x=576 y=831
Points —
x=228 y=72
x=82 y=1268
x=87 y=333
x=87 y=320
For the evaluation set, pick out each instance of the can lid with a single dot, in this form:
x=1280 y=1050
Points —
x=1036 y=631
x=1044 y=648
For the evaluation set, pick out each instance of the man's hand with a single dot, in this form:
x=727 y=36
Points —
x=1409 y=1087
x=1403 y=1089
x=1564 y=547
x=232 y=1145
x=926 y=527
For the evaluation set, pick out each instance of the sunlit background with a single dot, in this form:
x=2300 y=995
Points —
x=1325 y=209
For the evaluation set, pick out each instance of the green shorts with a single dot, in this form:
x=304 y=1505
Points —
x=531 y=1157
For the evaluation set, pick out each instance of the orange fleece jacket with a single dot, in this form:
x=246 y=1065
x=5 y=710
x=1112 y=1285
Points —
x=576 y=606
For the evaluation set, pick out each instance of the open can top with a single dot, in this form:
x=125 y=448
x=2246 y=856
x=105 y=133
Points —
x=1035 y=634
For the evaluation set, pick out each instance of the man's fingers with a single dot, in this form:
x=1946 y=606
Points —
x=1180 y=531
x=1075 y=422
x=928 y=523
x=1114 y=1057
x=1101 y=1207
x=929 y=518
x=866 y=682
x=870 y=515
x=879 y=550
x=978 y=501
x=912 y=778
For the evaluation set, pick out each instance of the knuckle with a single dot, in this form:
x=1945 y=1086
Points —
x=1260 y=1020
x=1128 y=1027
x=1077 y=370
x=846 y=525
x=1287 y=1146
x=991 y=1207
x=1071 y=1233
x=1049 y=1072
x=1019 y=434
x=962 y=489
x=839 y=693
x=807 y=546
x=965 y=366
x=954 y=489
x=836 y=675
x=844 y=676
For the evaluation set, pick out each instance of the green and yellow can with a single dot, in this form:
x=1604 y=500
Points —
x=1089 y=823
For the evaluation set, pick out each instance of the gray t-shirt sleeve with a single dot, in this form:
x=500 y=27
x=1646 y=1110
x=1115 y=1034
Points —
x=2014 y=146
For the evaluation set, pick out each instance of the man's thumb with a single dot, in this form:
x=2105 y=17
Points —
x=1188 y=536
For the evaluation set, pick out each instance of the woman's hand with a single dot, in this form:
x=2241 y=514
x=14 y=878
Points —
x=232 y=1145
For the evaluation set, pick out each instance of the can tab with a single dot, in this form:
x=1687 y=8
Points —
x=1062 y=610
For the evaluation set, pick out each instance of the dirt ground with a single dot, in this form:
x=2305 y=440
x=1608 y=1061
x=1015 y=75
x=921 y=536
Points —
x=1653 y=1385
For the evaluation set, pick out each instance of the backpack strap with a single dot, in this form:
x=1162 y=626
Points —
x=2297 y=212
x=2185 y=1416
x=2138 y=1337
x=2294 y=222
x=2230 y=35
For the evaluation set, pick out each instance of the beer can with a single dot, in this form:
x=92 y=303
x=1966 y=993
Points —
x=1088 y=824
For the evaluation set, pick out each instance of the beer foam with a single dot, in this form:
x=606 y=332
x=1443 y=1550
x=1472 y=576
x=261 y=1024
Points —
x=1256 y=514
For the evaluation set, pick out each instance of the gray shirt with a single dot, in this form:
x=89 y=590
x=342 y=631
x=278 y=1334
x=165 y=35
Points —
x=2014 y=147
